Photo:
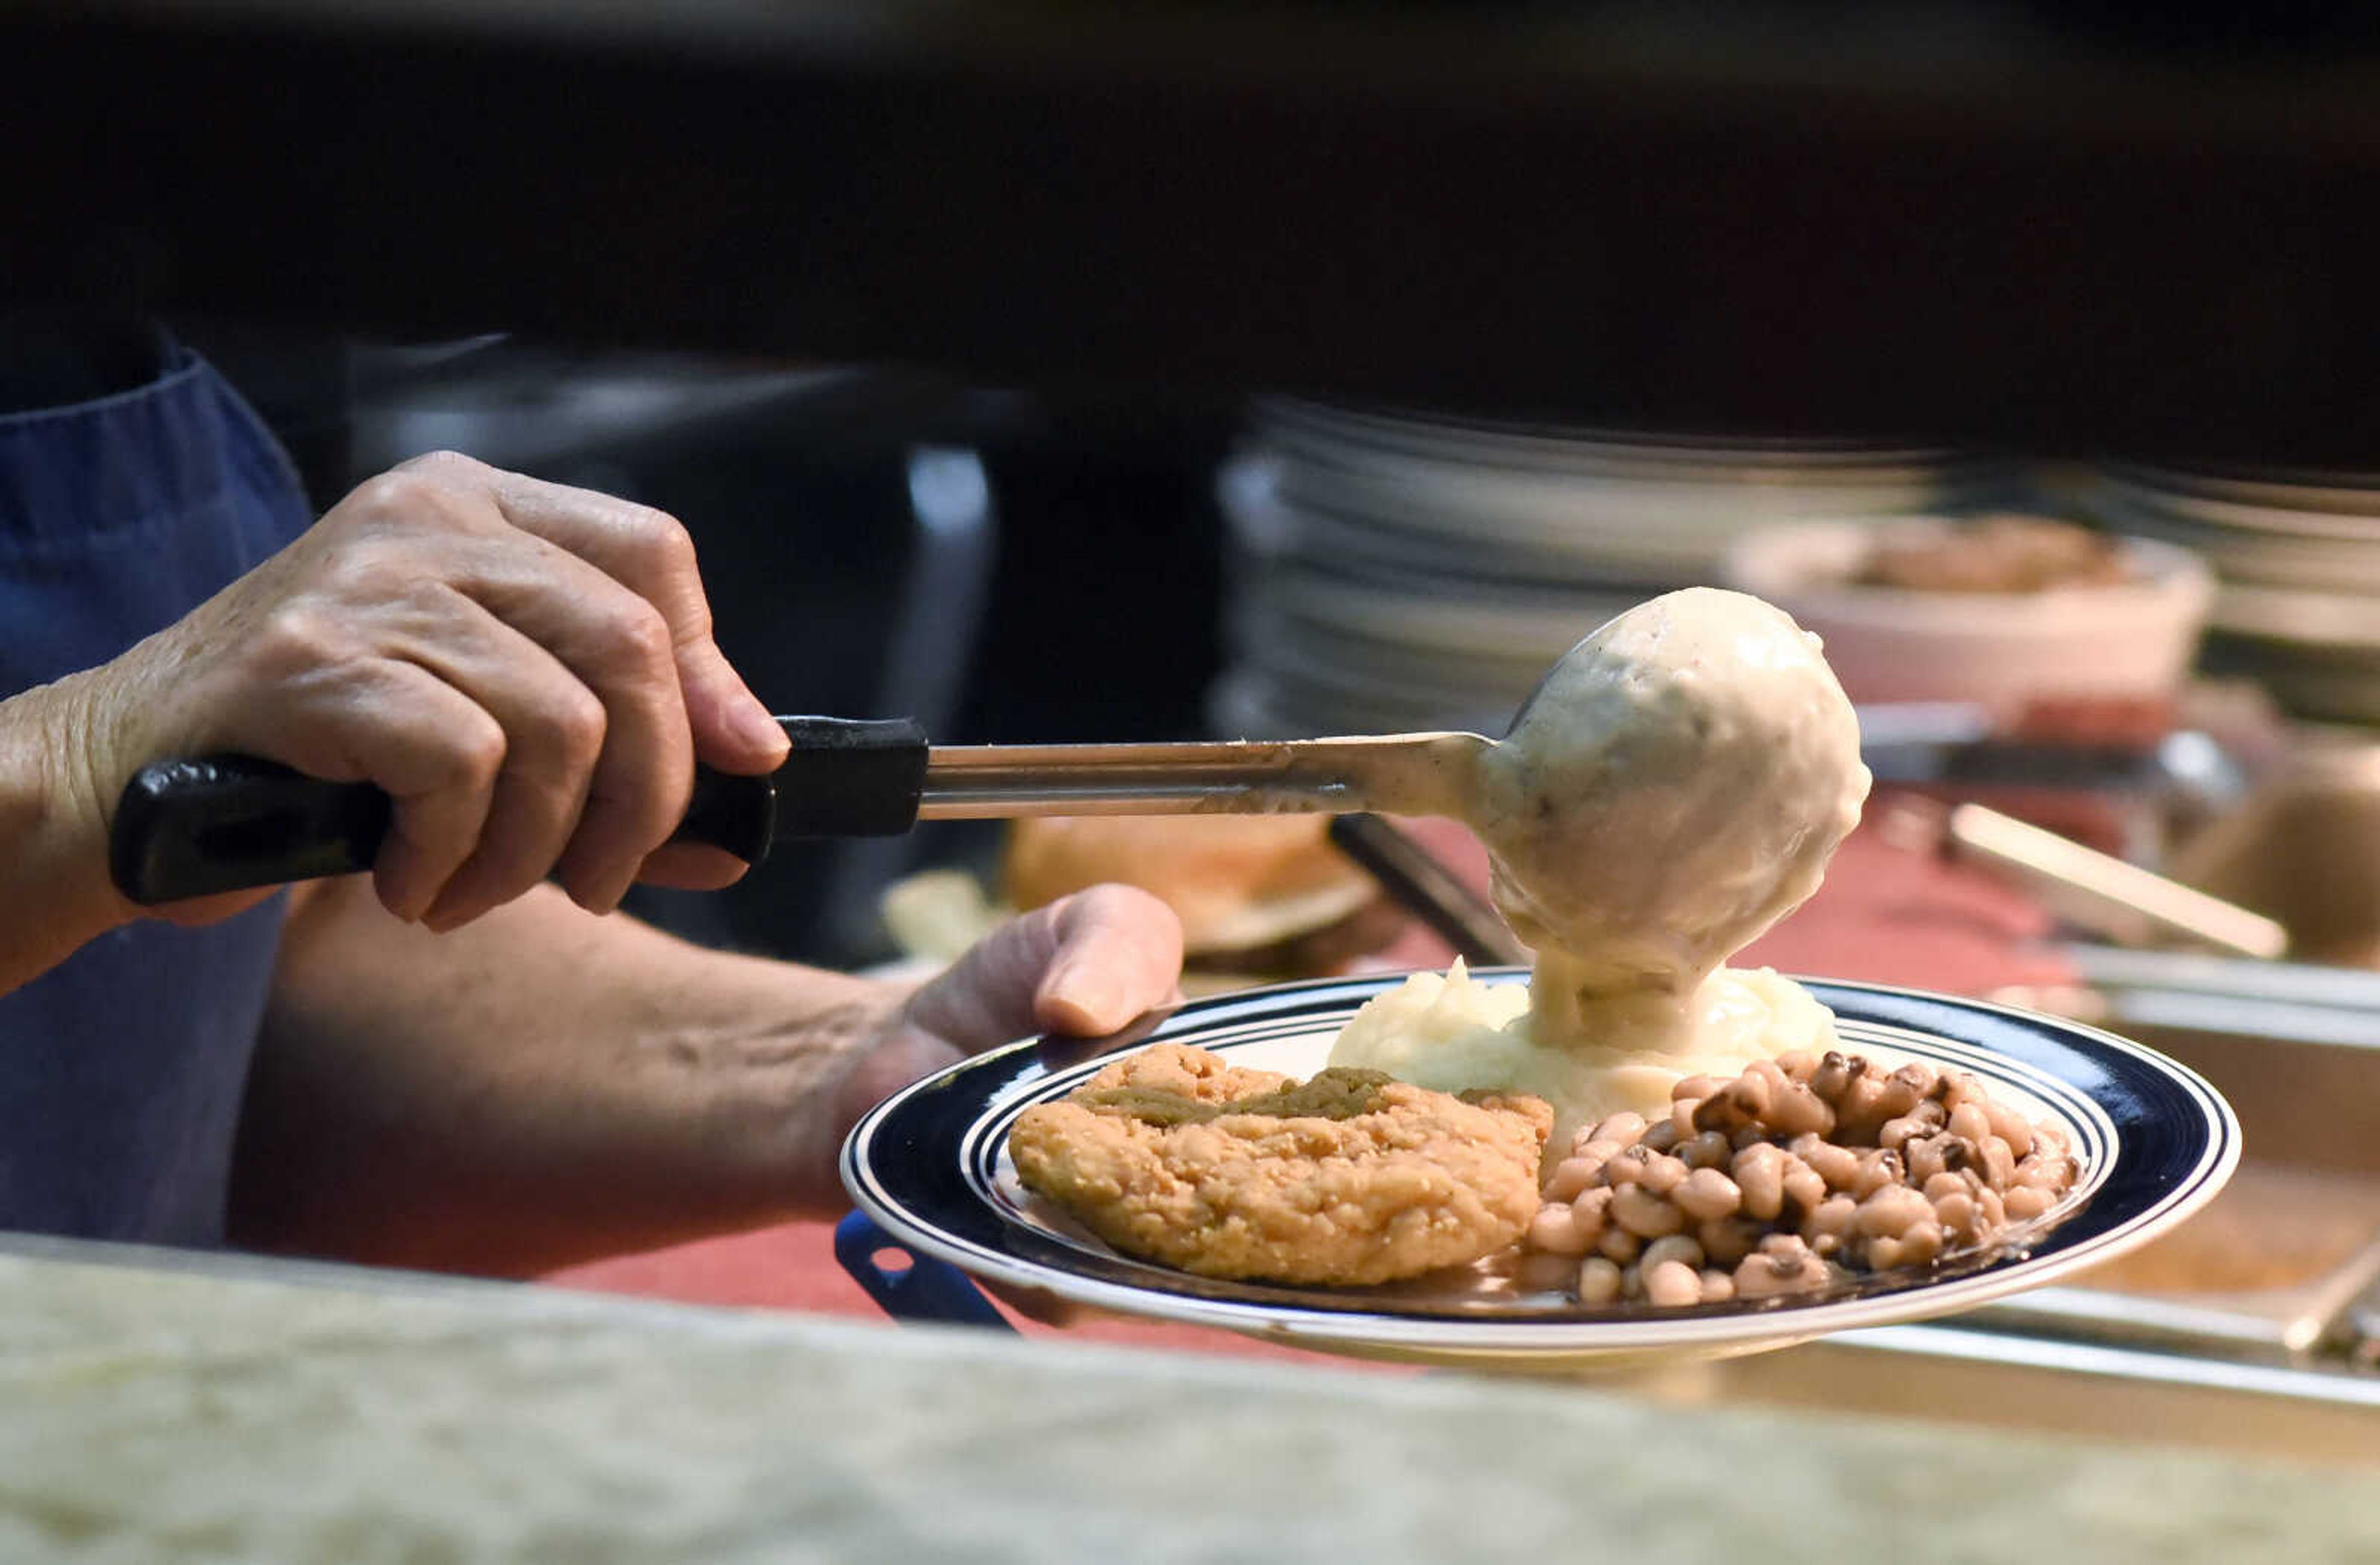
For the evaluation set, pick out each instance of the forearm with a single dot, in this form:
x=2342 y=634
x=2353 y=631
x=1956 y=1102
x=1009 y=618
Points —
x=54 y=894
x=541 y=1086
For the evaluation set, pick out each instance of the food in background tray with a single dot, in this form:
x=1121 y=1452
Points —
x=1993 y=554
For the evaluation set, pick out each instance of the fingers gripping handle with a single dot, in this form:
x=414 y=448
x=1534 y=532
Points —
x=224 y=823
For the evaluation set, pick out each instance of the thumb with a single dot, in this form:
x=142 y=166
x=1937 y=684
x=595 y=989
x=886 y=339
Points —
x=1083 y=965
x=1119 y=952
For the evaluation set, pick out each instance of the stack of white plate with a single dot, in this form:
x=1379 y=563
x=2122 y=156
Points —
x=2297 y=561
x=1395 y=572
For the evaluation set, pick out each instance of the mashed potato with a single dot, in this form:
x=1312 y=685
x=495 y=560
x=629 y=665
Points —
x=1453 y=1033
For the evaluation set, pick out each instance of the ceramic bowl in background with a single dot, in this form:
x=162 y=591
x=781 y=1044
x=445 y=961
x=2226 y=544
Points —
x=2128 y=641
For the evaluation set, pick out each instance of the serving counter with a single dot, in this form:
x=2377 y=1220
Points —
x=164 y=1407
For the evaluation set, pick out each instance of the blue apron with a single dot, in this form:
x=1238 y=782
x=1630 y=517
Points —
x=121 y=1070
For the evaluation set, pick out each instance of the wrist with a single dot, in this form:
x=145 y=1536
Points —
x=54 y=892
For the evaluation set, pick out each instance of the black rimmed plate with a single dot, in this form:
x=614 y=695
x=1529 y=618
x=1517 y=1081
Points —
x=930 y=1167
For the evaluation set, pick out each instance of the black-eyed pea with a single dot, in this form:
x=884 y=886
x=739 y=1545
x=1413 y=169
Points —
x=1600 y=1150
x=2050 y=1173
x=1799 y=1064
x=1933 y=1155
x=1750 y=1132
x=1672 y=1284
x=1766 y=1275
x=1534 y=1271
x=1663 y=1174
x=1920 y=1242
x=1621 y=1128
x=1628 y=1167
x=1726 y=1241
x=1631 y=1282
x=1699 y=1085
x=1681 y=1118
x=1727 y=1111
x=1705 y=1193
x=1921 y=1079
x=1889 y=1212
x=1878 y=1170
x=2026 y=1201
x=1571 y=1176
x=1938 y=1185
x=2049 y=1138
x=1838 y=1166
x=1999 y=1163
x=1969 y=1123
x=1994 y=1211
x=1618 y=1245
x=1644 y=1214
x=2009 y=1125
x=1796 y=1110
x=1899 y=1132
x=1833 y=1074
x=1659 y=1137
x=1896 y=1096
x=1670 y=1247
x=1598 y=1281
x=1859 y=1112
x=1832 y=1221
x=1771 y=1075
x=1960 y=1216
x=1759 y=1171
x=1920 y=1245
x=1555 y=1231
x=1589 y=1212
x=1706 y=1149
x=1804 y=1187
x=1717 y=1286
x=1958 y=1087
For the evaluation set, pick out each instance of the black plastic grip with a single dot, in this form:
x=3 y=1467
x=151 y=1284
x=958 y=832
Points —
x=850 y=777
x=225 y=823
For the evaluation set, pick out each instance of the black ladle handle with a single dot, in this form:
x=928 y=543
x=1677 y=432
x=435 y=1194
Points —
x=199 y=825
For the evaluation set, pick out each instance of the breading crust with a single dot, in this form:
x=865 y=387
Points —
x=1175 y=1157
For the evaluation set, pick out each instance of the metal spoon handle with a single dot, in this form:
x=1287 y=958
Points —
x=1410 y=773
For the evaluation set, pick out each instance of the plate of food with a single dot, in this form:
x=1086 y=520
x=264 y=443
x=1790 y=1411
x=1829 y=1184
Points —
x=1382 y=1220
x=1633 y=1149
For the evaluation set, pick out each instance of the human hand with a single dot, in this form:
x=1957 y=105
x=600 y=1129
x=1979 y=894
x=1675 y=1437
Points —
x=526 y=669
x=1084 y=967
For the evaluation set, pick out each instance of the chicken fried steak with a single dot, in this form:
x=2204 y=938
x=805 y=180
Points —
x=1352 y=1178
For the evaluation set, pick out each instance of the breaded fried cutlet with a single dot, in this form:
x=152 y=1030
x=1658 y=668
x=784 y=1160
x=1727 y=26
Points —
x=1352 y=1178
